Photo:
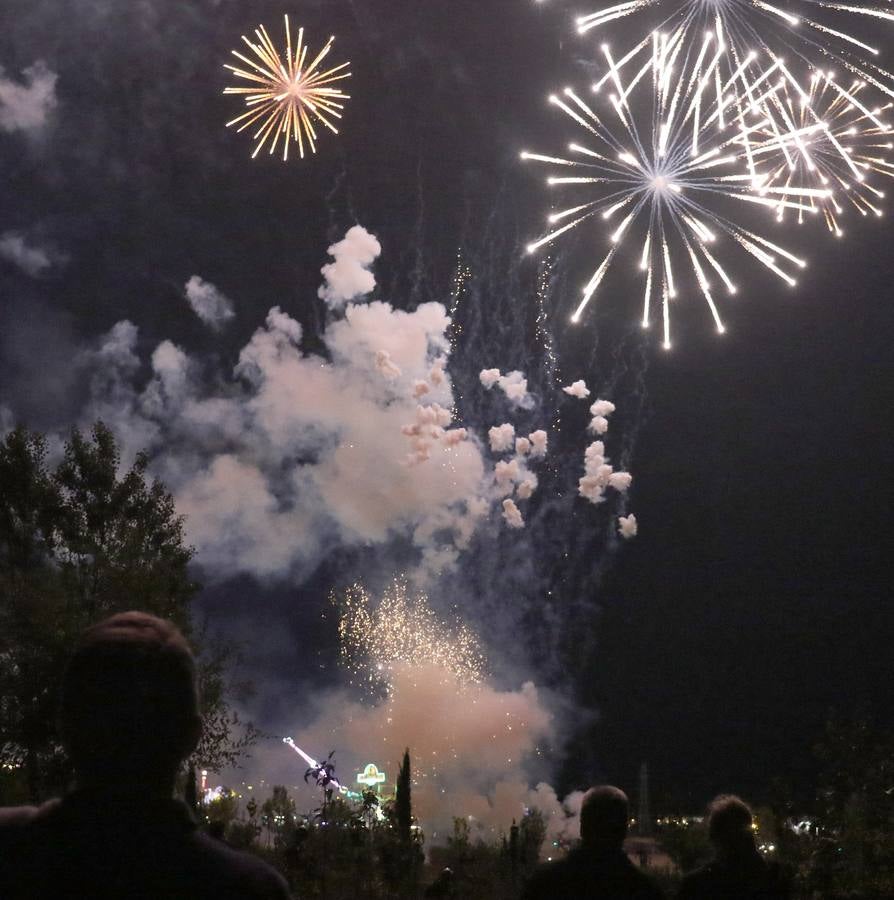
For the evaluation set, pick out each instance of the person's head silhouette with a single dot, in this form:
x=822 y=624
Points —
x=130 y=712
x=603 y=818
x=730 y=825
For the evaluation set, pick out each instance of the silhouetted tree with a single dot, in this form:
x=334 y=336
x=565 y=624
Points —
x=403 y=807
x=78 y=544
x=856 y=803
x=278 y=812
x=532 y=833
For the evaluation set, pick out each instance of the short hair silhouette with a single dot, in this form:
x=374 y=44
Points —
x=730 y=822
x=130 y=707
x=604 y=815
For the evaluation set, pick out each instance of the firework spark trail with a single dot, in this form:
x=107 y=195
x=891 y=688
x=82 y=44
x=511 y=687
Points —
x=402 y=629
x=805 y=27
x=842 y=143
x=667 y=169
x=287 y=98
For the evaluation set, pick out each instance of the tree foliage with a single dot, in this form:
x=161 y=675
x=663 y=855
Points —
x=856 y=807
x=403 y=805
x=77 y=543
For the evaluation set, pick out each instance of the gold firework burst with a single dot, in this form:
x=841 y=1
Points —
x=399 y=630
x=288 y=96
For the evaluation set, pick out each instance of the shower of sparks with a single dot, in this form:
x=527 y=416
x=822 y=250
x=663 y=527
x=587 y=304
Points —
x=402 y=630
x=806 y=27
x=665 y=169
x=842 y=143
x=287 y=97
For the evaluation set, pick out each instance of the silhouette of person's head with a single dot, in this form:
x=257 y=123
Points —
x=130 y=711
x=730 y=825
x=603 y=818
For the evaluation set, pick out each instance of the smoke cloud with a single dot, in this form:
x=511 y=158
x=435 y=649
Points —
x=349 y=276
x=208 y=303
x=502 y=438
x=513 y=384
x=293 y=453
x=26 y=106
x=512 y=514
x=578 y=389
x=473 y=749
x=31 y=258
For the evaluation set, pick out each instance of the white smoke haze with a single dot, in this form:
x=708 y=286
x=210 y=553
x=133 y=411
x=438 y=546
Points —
x=386 y=367
x=513 y=384
x=506 y=474
x=474 y=750
x=526 y=489
x=577 y=389
x=502 y=438
x=602 y=408
x=293 y=455
x=599 y=475
x=26 y=105
x=627 y=526
x=208 y=303
x=512 y=514
x=600 y=411
x=349 y=276
x=538 y=441
x=31 y=258
x=598 y=425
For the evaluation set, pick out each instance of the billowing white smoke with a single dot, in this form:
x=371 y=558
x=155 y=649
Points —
x=512 y=514
x=31 y=258
x=538 y=443
x=577 y=389
x=295 y=453
x=513 y=384
x=208 y=303
x=502 y=438
x=385 y=365
x=470 y=749
x=599 y=475
x=26 y=106
x=349 y=276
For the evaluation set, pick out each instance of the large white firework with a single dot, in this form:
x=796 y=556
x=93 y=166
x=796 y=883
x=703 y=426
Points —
x=831 y=138
x=668 y=171
x=807 y=28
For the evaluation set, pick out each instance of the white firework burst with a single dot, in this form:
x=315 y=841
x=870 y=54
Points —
x=806 y=27
x=829 y=136
x=665 y=172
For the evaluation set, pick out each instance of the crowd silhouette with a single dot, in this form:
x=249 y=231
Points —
x=130 y=717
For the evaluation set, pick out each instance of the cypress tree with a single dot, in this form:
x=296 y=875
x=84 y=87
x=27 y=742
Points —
x=402 y=802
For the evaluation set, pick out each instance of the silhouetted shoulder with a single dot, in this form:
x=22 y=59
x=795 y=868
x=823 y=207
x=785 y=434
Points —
x=238 y=874
x=579 y=876
x=74 y=849
x=769 y=881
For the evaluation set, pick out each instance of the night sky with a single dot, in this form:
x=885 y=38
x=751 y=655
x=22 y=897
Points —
x=757 y=595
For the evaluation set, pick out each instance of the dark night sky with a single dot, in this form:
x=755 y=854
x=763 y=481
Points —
x=757 y=595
